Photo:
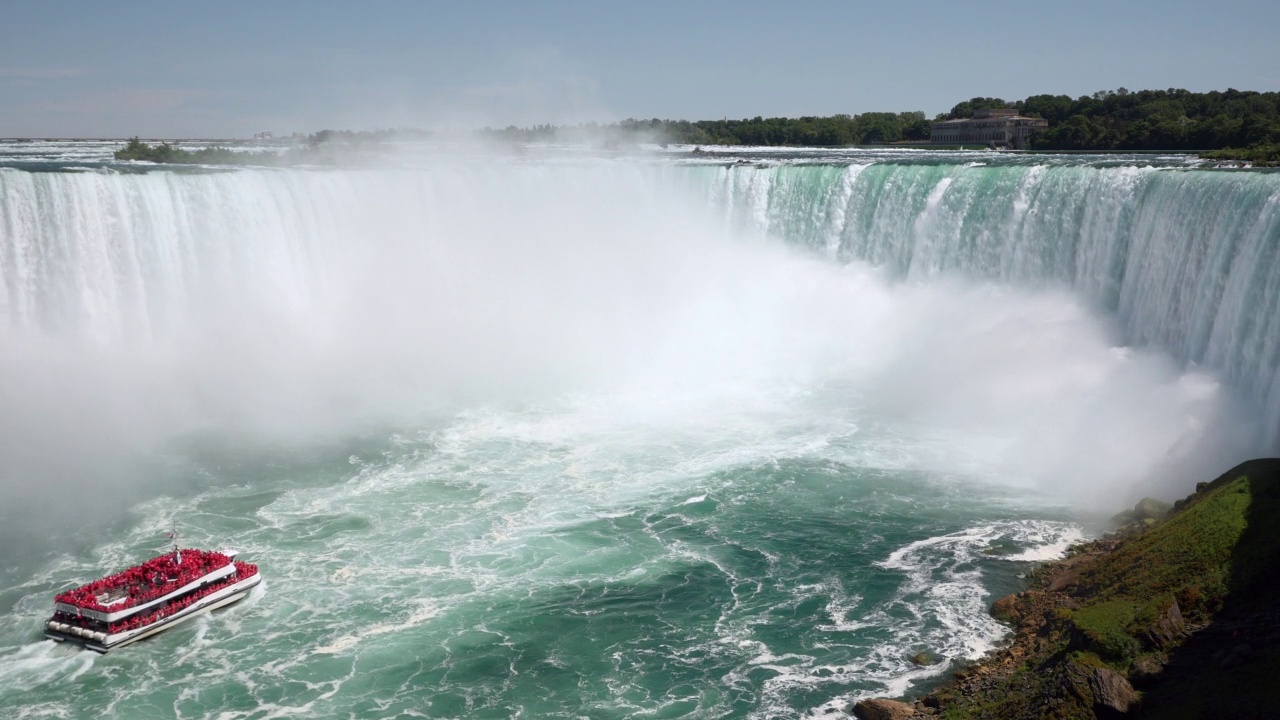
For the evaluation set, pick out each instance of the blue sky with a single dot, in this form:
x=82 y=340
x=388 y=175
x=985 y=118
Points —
x=228 y=69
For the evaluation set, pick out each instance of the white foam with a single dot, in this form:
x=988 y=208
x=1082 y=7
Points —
x=425 y=610
x=41 y=663
x=1052 y=546
x=944 y=600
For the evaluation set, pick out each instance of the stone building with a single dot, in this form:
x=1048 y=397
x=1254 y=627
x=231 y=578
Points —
x=1000 y=128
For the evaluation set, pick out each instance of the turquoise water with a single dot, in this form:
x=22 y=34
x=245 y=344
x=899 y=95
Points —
x=601 y=437
x=503 y=565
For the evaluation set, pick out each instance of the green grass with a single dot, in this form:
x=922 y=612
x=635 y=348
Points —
x=166 y=153
x=1260 y=155
x=1218 y=554
x=1193 y=558
x=1192 y=550
x=1106 y=628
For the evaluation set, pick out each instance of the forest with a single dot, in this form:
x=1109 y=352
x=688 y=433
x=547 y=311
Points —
x=1232 y=125
x=1147 y=119
x=834 y=131
x=1240 y=124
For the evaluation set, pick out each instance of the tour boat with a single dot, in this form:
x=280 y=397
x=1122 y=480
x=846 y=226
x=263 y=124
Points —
x=149 y=598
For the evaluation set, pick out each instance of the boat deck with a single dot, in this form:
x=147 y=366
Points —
x=145 y=586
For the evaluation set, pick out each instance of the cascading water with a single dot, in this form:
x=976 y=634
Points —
x=1189 y=261
x=557 y=437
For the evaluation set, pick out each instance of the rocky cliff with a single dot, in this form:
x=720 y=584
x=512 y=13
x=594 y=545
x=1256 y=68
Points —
x=1177 y=615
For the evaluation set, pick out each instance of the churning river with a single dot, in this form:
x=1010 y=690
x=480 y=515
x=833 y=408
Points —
x=556 y=434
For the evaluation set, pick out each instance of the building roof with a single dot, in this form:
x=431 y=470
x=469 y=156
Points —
x=965 y=121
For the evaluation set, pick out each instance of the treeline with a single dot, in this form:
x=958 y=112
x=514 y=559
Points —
x=606 y=135
x=837 y=130
x=327 y=147
x=357 y=137
x=167 y=153
x=874 y=128
x=1171 y=119
x=1241 y=125
x=1147 y=119
x=1258 y=155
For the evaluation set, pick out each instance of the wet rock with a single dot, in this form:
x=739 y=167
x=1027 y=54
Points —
x=881 y=709
x=1111 y=691
x=1150 y=508
x=1007 y=609
x=924 y=658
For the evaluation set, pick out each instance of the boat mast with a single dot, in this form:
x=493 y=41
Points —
x=177 y=552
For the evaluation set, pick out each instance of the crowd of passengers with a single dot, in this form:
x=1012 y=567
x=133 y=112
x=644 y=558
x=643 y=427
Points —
x=243 y=570
x=148 y=581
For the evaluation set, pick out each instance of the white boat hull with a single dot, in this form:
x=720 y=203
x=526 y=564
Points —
x=102 y=643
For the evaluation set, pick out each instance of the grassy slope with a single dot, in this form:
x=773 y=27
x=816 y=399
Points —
x=1203 y=687
x=1218 y=556
x=1187 y=558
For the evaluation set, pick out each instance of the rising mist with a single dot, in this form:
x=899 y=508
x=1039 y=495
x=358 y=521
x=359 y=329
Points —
x=293 y=306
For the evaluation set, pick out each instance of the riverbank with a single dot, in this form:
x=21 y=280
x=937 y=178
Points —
x=1258 y=156
x=1173 y=616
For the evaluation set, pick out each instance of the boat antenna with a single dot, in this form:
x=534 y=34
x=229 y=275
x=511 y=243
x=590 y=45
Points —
x=177 y=552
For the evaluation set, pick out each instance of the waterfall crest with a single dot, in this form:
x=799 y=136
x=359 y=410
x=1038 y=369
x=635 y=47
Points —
x=1186 y=260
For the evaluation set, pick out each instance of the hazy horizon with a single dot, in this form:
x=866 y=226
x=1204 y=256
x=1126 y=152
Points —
x=80 y=70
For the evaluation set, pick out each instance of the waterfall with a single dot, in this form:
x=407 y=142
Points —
x=1186 y=260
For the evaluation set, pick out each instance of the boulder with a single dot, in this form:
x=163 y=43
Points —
x=1065 y=578
x=1167 y=629
x=1148 y=668
x=1150 y=508
x=1111 y=691
x=881 y=709
x=1124 y=517
x=924 y=657
x=1007 y=609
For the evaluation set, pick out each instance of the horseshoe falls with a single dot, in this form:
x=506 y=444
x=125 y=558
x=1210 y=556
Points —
x=562 y=435
x=1188 y=262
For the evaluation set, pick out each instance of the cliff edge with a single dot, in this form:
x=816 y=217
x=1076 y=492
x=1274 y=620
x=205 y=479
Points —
x=1177 y=615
